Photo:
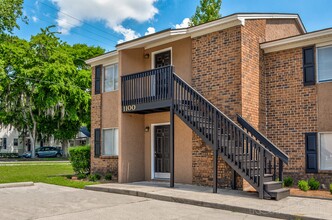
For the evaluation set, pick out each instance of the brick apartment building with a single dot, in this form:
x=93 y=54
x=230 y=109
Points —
x=223 y=103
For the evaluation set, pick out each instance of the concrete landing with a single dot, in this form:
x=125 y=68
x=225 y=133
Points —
x=232 y=200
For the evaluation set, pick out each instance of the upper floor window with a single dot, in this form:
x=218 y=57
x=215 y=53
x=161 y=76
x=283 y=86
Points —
x=324 y=62
x=110 y=78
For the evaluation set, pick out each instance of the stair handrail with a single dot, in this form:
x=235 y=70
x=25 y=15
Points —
x=262 y=139
x=220 y=112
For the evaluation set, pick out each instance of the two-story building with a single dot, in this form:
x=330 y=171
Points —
x=243 y=99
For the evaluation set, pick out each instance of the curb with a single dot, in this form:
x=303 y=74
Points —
x=12 y=185
x=227 y=207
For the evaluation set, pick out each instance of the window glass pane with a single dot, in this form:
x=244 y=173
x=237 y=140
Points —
x=326 y=151
x=324 y=63
x=107 y=142
x=110 y=142
x=108 y=78
x=111 y=78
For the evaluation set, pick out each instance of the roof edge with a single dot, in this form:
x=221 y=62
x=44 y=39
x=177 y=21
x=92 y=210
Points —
x=103 y=56
x=296 y=41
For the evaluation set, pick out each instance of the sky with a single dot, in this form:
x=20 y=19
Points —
x=106 y=23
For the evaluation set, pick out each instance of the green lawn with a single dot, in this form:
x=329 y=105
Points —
x=46 y=172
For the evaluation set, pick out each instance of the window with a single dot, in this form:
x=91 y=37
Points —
x=326 y=151
x=110 y=142
x=4 y=143
x=15 y=142
x=324 y=60
x=111 y=78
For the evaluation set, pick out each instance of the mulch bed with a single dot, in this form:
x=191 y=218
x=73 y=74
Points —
x=319 y=194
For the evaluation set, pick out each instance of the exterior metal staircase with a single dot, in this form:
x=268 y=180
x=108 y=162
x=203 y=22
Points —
x=249 y=153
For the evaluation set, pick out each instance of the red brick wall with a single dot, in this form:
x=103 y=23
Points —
x=106 y=164
x=291 y=109
x=252 y=34
x=216 y=64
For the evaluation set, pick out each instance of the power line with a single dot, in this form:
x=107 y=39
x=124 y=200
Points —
x=109 y=33
x=49 y=22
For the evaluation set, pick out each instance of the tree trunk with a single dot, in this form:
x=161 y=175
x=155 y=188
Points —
x=65 y=145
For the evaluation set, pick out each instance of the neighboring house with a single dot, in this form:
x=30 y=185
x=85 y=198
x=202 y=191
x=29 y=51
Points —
x=9 y=140
x=82 y=138
x=165 y=106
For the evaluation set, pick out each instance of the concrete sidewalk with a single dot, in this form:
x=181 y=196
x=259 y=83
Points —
x=232 y=200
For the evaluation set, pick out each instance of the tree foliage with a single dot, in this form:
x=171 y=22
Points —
x=45 y=85
x=10 y=11
x=208 y=10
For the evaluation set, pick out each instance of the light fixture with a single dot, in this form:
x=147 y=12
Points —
x=146 y=56
x=147 y=129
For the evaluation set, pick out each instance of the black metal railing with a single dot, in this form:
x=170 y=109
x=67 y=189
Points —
x=146 y=87
x=246 y=150
x=276 y=162
x=242 y=151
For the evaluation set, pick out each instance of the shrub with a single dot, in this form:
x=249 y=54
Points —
x=80 y=159
x=108 y=176
x=288 y=181
x=94 y=177
x=313 y=184
x=331 y=188
x=8 y=155
x=81 y=176
x=303 y=185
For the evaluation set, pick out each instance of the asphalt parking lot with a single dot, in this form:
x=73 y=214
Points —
x=50 y=202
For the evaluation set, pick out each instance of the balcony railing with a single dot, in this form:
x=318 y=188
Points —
x=147 y=90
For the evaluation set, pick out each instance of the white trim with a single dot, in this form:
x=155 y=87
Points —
x=220 y=24
x=103 y=77
x=316 y=60
x=319 y=149
x=153 y=54
x=104 y=56
x=102 y=139
x=152 y=126
x=320 y=37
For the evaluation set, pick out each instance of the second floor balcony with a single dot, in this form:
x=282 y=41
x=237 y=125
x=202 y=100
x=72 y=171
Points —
x=148 y=91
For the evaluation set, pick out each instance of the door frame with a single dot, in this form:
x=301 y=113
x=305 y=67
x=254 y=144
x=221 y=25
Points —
x=153 y=147
x=160 y=51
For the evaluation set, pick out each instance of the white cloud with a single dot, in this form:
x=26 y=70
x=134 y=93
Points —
x=150 y=30
x=112 y=12
x=34 y=18
x=127 y=33
x=184 y=24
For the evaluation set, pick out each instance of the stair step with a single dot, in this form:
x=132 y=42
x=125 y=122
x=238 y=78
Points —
x=267 y=178
x=279 y=194
x=272 y=185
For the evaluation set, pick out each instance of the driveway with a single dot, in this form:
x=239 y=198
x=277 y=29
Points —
x=48 y=202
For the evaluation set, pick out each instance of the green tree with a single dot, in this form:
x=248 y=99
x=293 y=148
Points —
x=10 y=11
x=45 y=86
x=208 y=10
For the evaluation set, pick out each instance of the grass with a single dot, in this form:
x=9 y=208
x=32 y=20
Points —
x=46 y=172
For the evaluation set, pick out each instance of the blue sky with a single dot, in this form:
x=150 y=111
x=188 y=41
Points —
x=106 y=22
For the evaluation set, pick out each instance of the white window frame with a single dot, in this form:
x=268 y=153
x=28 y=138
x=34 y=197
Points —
x=103 y=141
x=321 y=46
x=319 y=150
x=103 y=77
